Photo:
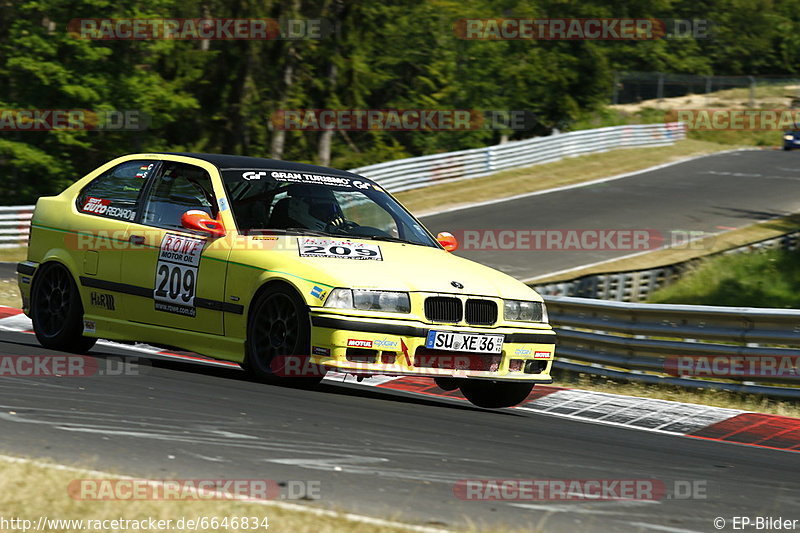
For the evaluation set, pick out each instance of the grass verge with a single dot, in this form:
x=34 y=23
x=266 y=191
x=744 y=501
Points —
x=13 y=255
x=699 y=248
x=716 y=398
x=769 y=278
x=540 y=177
x=32 y=490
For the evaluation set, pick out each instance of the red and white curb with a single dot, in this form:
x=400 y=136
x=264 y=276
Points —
x=644 y=414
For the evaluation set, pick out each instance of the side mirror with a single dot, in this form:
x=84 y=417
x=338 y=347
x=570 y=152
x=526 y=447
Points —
x=199 y=221
x=448 y=241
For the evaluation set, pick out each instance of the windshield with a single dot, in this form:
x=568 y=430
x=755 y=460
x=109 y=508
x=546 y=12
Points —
x=301 y=202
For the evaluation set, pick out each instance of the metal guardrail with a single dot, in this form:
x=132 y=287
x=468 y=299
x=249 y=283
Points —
x=15 y=223
x=415 y=172
x=643 y=342
x=637 y=285
x=404 y=174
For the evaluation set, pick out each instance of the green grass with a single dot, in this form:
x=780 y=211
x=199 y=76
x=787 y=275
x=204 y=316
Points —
x=755 y=279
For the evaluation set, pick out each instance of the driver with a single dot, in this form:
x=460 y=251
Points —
x=313 y=207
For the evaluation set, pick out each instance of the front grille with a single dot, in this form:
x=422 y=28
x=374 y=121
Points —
x=481 y=312
x=443 y=309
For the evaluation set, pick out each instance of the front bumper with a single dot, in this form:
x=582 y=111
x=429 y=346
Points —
x=363 y=346
x=25 y=272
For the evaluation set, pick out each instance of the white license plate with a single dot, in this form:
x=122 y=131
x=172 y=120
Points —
x=464 y=342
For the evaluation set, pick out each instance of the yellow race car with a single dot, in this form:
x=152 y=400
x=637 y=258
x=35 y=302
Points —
x=288 y=269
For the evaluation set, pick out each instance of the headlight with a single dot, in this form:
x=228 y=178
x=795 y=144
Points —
x=366 y=300
x=789 y=137
x=524 y=311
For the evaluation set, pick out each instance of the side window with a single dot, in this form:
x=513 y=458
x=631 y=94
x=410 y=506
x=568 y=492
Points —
x=114 y=193
x=180 y=188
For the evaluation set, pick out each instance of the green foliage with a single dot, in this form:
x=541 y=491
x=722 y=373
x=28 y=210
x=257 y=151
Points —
x=218 y=95
x=757 y=279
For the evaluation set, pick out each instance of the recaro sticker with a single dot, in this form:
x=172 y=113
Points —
x=313 y=247
x=101 y=206
x=176 y=274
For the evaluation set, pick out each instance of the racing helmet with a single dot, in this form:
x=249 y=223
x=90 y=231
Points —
x=313 y=206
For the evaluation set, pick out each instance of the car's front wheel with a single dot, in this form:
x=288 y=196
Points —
x=278 y=339
x=495 y=394
x=57 y=311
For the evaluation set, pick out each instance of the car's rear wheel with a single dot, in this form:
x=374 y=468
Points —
x=278 y=339
x=57 y=311
x=495 y=394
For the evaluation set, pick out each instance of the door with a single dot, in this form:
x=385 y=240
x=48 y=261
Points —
x=98 y=241
x=174 y=278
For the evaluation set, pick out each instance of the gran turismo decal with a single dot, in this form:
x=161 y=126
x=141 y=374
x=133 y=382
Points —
x=321 y=179
x=253 y=175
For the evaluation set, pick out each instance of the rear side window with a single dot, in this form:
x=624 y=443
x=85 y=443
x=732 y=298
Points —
x=114 y=193
x=178 y=189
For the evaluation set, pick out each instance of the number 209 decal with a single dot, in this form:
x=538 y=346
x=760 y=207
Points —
x=311 y=247
x=176 y=274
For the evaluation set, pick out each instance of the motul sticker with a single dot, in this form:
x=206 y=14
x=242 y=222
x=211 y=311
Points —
x=358 y=343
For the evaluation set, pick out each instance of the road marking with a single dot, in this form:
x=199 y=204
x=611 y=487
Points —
x=666 y=529
x=577 y=185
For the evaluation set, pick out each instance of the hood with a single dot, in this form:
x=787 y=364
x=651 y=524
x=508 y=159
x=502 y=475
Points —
x=404 y=267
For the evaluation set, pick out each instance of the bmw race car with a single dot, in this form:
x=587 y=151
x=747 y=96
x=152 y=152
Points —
x=288 y=269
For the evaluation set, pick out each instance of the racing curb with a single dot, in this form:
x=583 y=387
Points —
x=660 y=416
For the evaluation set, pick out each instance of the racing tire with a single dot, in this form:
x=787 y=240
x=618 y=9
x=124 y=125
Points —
x=278 y=329
x=57 y=311
x=787 y=148
x=495 y=394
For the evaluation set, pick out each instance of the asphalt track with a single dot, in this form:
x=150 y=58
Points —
x=376 y=453
x=709 y=194
x=397 y=455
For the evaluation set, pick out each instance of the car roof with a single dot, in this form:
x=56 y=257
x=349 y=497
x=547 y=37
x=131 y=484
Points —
x=226 y=161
